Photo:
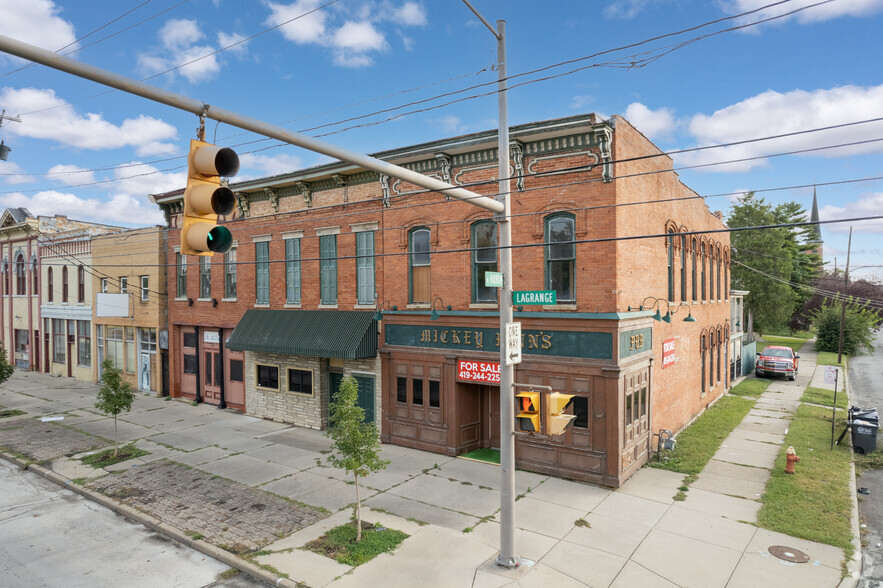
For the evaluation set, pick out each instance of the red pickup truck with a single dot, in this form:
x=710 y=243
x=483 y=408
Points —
x=776 y=359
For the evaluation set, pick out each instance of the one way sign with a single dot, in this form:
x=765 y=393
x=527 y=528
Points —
x=512 y=351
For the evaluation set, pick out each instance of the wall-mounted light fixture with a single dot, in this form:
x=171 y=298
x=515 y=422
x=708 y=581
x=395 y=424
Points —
x=434 y=314
x=668 y=312
x=378 y=316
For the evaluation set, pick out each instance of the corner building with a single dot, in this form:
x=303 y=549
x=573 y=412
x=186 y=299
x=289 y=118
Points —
x=598 y=217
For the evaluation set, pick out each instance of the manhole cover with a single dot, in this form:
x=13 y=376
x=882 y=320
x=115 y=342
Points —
x=789 y=554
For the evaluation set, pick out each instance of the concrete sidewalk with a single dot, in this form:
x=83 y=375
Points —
x=231 y=484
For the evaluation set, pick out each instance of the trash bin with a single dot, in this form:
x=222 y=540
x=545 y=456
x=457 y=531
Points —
x=865 y=414
x=864 y=435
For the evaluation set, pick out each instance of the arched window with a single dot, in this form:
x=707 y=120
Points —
x=21 y=281
x=711 y=273
x=35 y=277
x=50 y=285
x=718 y=363
x=484 y=259
x=670 y=258
x=64 y=284
x=727 y=275
x=560 y=256
x=720 y=296
x=683 y=268
x=703 y=342
x=693 y=253
x=419 y=260
x=702 y=261
x=4 y=270
x=81 y=284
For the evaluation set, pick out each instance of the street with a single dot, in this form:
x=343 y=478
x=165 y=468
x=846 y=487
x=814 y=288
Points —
x=54 y=537
x=866 y=390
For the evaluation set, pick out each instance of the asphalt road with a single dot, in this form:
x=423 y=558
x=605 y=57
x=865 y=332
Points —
x=51 y=536
x=866 y=385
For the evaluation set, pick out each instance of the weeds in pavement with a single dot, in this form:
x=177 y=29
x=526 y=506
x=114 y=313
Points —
x=102 y=459
x=340 y=543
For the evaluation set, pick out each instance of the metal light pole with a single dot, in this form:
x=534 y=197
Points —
x=507 y=556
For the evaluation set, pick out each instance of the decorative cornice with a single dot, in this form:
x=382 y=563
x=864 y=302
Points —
x=274 y=198
x=516 y=149
x=304 y=189
x=242 y=204
x=384 y=188
x=340 y=180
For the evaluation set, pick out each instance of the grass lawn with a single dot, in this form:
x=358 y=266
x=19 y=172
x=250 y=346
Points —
x=824 y=397
x=830 y=358
x=340 y=544
x=698 y=443
x=105 y=458
x=750 y=387
x=815 y=502
x=794 y=343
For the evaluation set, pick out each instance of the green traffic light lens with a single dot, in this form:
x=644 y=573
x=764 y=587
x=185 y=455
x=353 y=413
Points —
x=219 y=239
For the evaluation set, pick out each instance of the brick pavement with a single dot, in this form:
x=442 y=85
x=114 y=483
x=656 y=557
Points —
x=44 y=441
x=228 y=514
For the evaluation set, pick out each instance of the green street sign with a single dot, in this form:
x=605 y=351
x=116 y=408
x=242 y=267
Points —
x=493 y=279
x=527 y=297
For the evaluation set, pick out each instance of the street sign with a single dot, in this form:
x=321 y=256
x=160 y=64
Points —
x=526 y=297
x=493 y=279
x=830 y=374
x=512 y=350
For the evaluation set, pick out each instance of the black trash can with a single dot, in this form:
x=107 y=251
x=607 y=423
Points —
x=864 y=435
x=865 y=414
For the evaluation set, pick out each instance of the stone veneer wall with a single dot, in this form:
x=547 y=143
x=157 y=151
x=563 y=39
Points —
x=310 y=411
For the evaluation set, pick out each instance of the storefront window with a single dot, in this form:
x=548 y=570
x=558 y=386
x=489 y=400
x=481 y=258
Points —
x=417 y=391
x=114 y=346
x=130 y=350
x=581 y=410
x=300 y=381
x=268 y=376
x=236 y=370
x=190 y=363
x=434 y=393
x=59 y=342
x=402 y=389
x=84 y=343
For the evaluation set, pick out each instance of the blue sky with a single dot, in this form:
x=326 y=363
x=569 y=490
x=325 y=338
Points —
x=95 y=155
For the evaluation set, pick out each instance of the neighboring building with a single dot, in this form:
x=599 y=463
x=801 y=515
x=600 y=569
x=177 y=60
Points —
x=66 y=305
x=318 y=251
x=741 y=344
x=131 y=310
x=20 y=275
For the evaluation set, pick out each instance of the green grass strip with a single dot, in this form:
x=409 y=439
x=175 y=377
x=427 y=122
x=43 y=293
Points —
x=750 y=387
x=698 y=443
x=824 y=397
x=794 y=343
x=830 y=358
x=814 y=503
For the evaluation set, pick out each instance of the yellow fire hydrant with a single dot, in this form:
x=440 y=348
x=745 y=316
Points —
x=790 y=459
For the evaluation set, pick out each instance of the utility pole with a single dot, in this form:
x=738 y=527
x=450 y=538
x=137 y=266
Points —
x=843 y=307
x=507 y=556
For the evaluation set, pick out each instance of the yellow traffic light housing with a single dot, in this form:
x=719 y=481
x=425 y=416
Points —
x=528 y=417
x=205 y=198
x=556 y=420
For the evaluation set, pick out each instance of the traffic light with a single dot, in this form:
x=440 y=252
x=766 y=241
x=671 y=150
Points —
x=205 y=198
x=528 y=417
x=556 y=420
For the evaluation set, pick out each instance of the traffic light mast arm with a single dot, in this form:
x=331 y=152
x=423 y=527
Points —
x=198 y=107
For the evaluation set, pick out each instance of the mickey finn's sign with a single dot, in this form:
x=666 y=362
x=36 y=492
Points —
x=478 y=371
x=526 y=297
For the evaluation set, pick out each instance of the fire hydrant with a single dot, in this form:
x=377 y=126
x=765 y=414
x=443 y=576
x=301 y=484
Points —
x=790 y=459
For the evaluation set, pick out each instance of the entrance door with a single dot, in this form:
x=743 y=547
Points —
x=211 y=369
x=365 y=399
x=491 y=396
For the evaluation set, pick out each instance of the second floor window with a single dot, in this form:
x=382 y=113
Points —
x=145 y=287
x=560 y=257
x=21 y=282
x=419 y=258
x=365 y=267
x=50 y=285
x=683 y=268
x=484 y=259
x=124 y=284
x=64 y=284
x=230 y=274
x=104 y=285
x=292 y=271
x=670 y=249
x=693 y=254
x=328 y=269
x=181 y=274
x=262 y=272
x=205 y=277
x=81 y=284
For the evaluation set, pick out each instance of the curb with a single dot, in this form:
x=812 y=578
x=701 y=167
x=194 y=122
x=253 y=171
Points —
x=157 y=525
x=854 y=565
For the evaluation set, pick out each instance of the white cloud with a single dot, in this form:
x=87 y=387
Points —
x=35 y=22
x=626 y=9
x=267 y=165
x=120 y=209
x=580 y=102
x=654 y=124
x=821 y=13
x=9 y=173
x=138 y=179
x=308 y=28
x=774 y=113
x=410 y=14
x=868 y=205
x=90 y=131
x=179 y=38
x=354 y=40
x=449 y=124
x=227 y=39
x=70 y=175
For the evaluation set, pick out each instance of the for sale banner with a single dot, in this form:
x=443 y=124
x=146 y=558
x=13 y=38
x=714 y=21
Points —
x=486 y=372
x=668 y=353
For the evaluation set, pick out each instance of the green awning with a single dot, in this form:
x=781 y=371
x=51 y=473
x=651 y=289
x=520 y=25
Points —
x=344 y=334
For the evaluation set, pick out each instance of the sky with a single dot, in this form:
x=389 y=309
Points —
x=372 y=75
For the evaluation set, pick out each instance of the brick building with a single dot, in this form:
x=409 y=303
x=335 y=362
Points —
x=131 y=310
x=317 y=251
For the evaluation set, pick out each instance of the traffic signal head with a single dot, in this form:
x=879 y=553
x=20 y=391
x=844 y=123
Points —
x=205 y=198
x=556 y=420
x=528 y=417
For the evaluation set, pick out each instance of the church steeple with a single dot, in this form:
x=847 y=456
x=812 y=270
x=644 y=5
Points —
x=814 y=235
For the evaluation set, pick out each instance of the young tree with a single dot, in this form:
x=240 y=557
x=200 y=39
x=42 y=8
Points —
x=858 y=328
x=114 y=397
x=356 y=443
x=6 y=369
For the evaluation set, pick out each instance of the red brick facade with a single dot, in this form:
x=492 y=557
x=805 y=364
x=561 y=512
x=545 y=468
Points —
x=604 y=176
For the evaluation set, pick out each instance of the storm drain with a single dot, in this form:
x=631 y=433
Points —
x=789 y=554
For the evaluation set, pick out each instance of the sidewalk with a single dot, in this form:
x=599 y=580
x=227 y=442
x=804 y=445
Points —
x=228 y=484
